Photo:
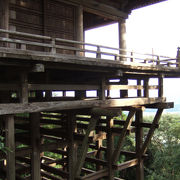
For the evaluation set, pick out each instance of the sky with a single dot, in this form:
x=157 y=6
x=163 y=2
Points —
x=154 y=28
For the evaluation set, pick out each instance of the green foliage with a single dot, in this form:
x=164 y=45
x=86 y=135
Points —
x=164 y=159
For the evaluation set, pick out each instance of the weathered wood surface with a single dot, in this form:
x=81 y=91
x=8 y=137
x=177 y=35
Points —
x=28 y=56
x=14 y=108
x=10 y=144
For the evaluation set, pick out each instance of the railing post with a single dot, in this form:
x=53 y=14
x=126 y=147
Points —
x=158 y=60
x=53 y=46
x=132 y=57
x=178 y=57
x=98 y=54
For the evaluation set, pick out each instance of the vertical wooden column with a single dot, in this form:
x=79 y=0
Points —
x=101 y=91
x=139 y=94
x=139 y=143
x=146 y=87
x=35 y=143
x=122 y=38
x=4 y=14
x=79 y=28
x=178 y=57
x=24 y=88
x=10 y=144
x=110 y=148
x=72 y=148
x=160 y=90
x=4 y=24
x=123 y=93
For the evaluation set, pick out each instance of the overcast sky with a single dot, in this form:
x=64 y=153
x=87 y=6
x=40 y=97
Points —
x=154 y=27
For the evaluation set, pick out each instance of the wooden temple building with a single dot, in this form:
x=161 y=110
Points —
x=51 y=125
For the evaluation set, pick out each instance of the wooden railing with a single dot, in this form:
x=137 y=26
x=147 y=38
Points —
x=55 y=46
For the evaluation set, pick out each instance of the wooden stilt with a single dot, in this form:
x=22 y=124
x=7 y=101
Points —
x=35 y=143
x=24 y=88
x=10 y=144
x=110 y=148
x=72 y=148
x=139 y=142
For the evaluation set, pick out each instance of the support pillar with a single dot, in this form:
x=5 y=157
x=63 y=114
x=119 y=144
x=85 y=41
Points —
x=122 y=38
x=79 y=29
x=139 y=143
x=72 y=147
x=110 y=148
x=4 y=18
x=35 y=143
x=10 y=144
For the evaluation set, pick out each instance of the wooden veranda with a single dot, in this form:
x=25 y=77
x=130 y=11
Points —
x=50 y=124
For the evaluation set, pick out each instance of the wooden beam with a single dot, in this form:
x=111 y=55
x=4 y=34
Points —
x=84 y=148
x=127 y=124
x=10 y=144
x=35 y=143
x=96 y=175
x=15 y=108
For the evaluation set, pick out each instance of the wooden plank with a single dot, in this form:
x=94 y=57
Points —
x=10 y=144
x=84 y=148
x=139 y=143
x=127 y=124
x=35 y=143
x=15 y=108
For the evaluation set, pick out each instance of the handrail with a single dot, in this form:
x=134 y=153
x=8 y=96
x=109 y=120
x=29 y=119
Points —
x=100 y=50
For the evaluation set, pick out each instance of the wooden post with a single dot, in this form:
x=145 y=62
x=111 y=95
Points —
x=160 y=90
x=35 y=143
x=146 y=87
x=110 y=148
x=123 y=93
x=122 y=38
x=24 y=88
x=101 y=91
x=10 y=144
x=139 y=143
x=79 y=28
x=139 y=94
x=72 y=148
x=4 y=14
x=178 y=57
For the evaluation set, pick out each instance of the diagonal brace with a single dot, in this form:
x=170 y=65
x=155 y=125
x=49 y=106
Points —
x=151 y=131
x=127 y=124
x=84 y=148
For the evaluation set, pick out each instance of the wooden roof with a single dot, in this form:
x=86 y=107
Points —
x=128 y=5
